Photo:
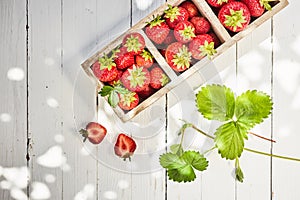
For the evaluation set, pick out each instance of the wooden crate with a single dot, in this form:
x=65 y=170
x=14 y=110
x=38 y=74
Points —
x=227 y=39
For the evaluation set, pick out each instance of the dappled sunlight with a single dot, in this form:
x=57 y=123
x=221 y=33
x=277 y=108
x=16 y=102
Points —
x=251 y=65
x=53 y=103
x=110 y=195
x=143 y=4
x=59 y=138
x=5 y=117
x=86 y=193
x=49 y=61
x=40 y=191
x=295 y=45
x=53 y=158
x=123 y=184
x=18 y=194
x=49 y=178
x=16 y=74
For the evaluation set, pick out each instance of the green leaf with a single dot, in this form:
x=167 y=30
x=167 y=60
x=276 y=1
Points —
x=113 y=99
x=230 y=140
x=195 y=159
x=252 y=107
x=216 y=102
x=185 y=174
x=176 y=149
x=106 y=90
x=171 y=161
x=121 y=90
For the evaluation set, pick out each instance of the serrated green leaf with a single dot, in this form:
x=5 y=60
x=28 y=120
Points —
x=176 y=149
x=171 y=161
x=252 y=107
x=216 y=102
x=184 y=174
x=195 y=159
x=113 y=99
x=230 y=140
x=121 y=90
x=106 y=90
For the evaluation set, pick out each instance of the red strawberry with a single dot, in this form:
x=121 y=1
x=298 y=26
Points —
x=105 y=69
x=157 y=30
x=170 y=38
x=235 y=16
x=158 y=78
x=94 y=131
x=184 y=32
x=134 y=43
x=173 y=15
x=163 y=52
x=218 y=3
x=201 y=46
x=128 y=101
x=123 y=59
x=191 y=8
x=145 y=59
x=125 y=146
x=201 y=25
x=116 y=81
x=148 y=91
x=178 y=56
x=216 y=40
x=136 y=78
x=257 y=7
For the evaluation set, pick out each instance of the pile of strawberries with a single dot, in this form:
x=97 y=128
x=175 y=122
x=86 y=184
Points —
x=182 y=35
x=129 y=72
x=236 y=15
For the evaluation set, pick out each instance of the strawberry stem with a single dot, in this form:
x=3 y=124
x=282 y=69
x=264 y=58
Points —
x=264 y=138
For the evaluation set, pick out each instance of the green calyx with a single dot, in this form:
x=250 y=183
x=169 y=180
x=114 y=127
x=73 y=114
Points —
x=164 y=80
x=235 y=19
x=183 y=58
x=156 y=21
x=147 y=55
x=106 y=62
x=136 y=76
x=265 y=4
x=128 y=98
x=222 y=1
x=208 y=49
x=133 y=44
x=188 y=32
x=172 y=13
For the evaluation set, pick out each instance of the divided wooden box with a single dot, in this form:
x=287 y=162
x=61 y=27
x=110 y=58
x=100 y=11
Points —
x=227 y=40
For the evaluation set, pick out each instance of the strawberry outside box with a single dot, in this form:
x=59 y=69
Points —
x=226 y=38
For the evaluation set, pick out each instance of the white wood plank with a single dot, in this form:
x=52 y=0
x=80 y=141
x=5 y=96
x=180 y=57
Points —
x=254 y=72
x=13 y=106
x=286 y=177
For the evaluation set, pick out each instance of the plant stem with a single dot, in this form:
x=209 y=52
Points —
x=250 y=150
x=262 y=137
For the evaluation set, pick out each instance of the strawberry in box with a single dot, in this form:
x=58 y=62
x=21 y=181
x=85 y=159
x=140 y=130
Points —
x=174 y=15
x=178 y=56
x=157 y=30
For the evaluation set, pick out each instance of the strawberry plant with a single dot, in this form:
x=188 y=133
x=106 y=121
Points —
x=238 y=115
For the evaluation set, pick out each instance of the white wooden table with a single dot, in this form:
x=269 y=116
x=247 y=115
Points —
x=46 y=98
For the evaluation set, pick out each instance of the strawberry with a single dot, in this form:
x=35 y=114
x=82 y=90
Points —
x=123 y=59
x=116 y=81
x=218 y=3
x=235 y=16
x=125 y=146
x=201 y=25
x=201 y=46
x=158 y=78
x=134 y=43
x=145 y=59
x=216 y=40
x=191 y=8
x=105 y=69
x=170 y=38
x=178 y=56
x=157 y=30
x=163 y=52
x=128 y=101
x=257 y=7
x=136 y=78
x=148 y=91
x=175 y=14
x=184 y=32
x=94 y=131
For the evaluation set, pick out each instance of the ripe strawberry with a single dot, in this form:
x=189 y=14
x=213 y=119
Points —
x=178 y=56
x=158 y=78
x=94 y=131
x=218 y=3
x=125 y=146
x=184 y=32
x=128 y=101
x=216 y=40
x=157 y=30
x=134 y=43
x=145 y=59
x=116 y=81
x=201 y=25
x=170 y=38
x=123 y=59
x=173 y=15
x=148 y=91
x=105 y=69
x=257 y=7
x=136 y=78
x=235 y=16
x=201 y=46
x=191 y=8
